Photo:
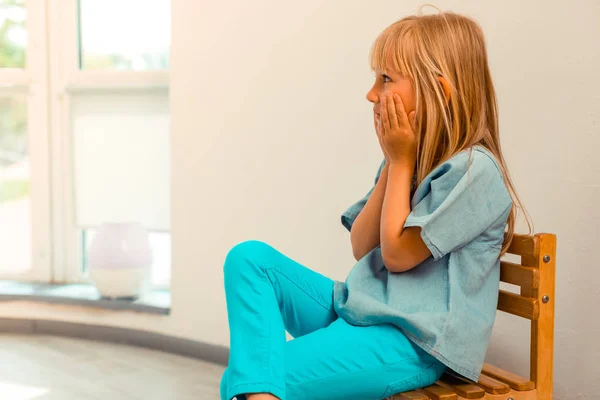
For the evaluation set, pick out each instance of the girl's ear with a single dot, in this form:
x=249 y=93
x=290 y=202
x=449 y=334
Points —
x=445 y=88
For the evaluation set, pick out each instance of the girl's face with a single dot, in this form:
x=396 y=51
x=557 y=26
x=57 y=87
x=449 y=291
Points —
x=390 y=81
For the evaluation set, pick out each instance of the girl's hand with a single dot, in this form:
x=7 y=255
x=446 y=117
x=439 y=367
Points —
x=379 y=138
x=396 y=133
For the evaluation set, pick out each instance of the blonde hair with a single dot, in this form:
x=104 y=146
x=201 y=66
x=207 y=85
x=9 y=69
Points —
x=452 y=46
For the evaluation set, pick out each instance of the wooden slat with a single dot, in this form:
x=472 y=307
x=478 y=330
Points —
x=463 y=388
x=542 y=329
x=526 y=277
x=437 y=392
x=528 y=247
x=518 y=305
x=513 y=380
x=410 y=396
x=492 y=386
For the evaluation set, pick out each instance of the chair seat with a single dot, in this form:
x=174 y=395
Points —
x=494 y=383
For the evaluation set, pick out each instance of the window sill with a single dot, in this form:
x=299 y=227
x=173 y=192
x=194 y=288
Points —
x=157 y=301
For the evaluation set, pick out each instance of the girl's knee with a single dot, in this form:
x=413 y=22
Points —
x=242 y=253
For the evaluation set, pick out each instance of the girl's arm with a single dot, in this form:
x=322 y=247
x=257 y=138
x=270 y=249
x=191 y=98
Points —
x=365 y=232
x=401 y=249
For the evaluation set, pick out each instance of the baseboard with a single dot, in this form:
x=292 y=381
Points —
x=134 y=337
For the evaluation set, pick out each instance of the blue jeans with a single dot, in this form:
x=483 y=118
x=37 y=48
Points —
x=267 y=294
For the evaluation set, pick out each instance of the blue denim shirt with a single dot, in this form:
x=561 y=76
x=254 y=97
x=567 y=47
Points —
x=447 y=304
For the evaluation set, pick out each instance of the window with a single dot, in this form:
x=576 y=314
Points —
x=15 y=215
x=120 y=146
x=24 y=178
x=83 y=111
x=13 y=35
x=131 y=43
x=116 y=115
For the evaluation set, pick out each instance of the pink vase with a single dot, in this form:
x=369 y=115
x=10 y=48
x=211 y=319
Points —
x=119 y=259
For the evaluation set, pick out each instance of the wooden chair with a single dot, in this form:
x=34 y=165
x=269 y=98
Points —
x=535 y=274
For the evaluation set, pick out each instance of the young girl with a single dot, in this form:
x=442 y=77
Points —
x=427 y=237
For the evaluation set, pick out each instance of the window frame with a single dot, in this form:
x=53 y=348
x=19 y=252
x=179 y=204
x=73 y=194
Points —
x=32 y=81
x=66 y=81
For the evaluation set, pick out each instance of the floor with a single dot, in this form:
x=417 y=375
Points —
x=37 y=367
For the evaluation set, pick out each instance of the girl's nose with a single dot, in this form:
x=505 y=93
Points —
x=372 y=96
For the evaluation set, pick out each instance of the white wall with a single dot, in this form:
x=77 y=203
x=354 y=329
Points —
x=272 y=139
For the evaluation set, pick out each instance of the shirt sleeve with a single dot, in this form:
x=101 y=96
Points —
x=352 y=212
x=467 y=195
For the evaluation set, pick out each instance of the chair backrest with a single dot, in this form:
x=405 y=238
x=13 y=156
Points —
x=535 y=274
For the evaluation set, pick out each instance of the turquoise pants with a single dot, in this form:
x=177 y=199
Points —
x=267 y=294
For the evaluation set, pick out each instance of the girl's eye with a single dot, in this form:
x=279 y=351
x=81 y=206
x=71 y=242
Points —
x=386 y=77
